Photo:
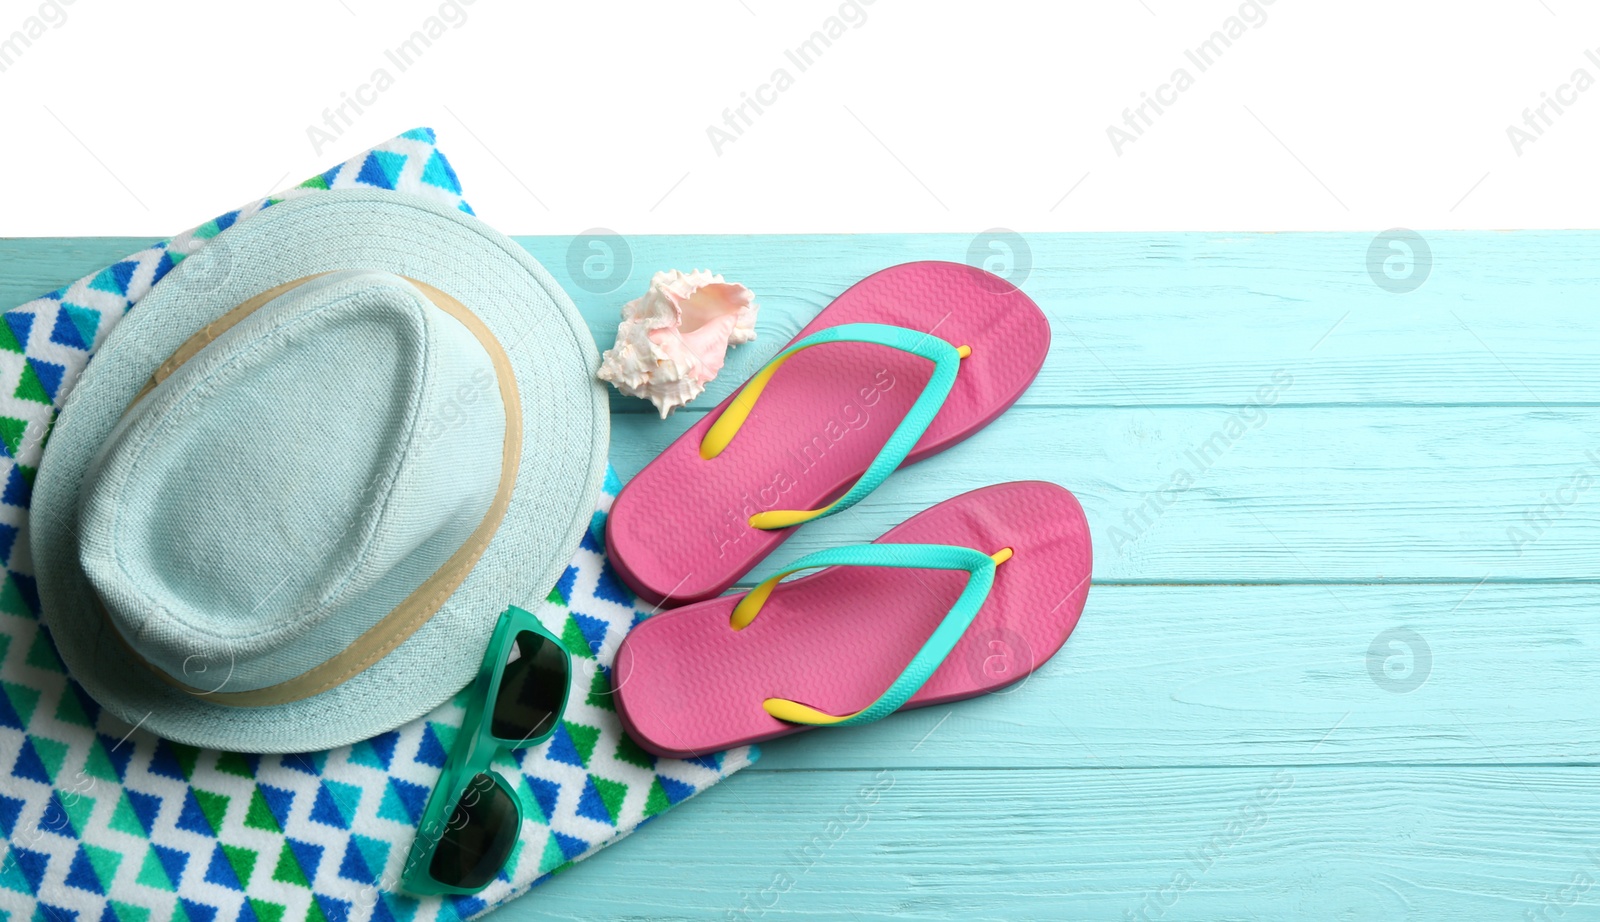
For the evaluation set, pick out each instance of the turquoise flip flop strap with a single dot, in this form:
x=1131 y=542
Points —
x=979 y=565
x=946 y=361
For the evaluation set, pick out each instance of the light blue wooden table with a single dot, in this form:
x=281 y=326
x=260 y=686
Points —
x=1340 y=657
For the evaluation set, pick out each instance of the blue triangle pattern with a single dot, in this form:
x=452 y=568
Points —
x=336 y=804
x=311 y=763
x=146 y=807
x=438 y=173
x=21 y=325
x=55 y=818
x=65 y=332
x=545 y=794
x=46 y=912
x=677 y=792
x=593 y=630
x=403 y=801
x=192 y=818
x=197 y=912
x=377 y=752
x=18 y=491
x=28 y=765
x=81 y=874
x=173 y=861
x=334 y=910
x=279 y=801
x=220 y=872
x=562 y=748
x=610 y=588
x=50 y=375
x=9 y=716
x=165 y=762
x=115 y=753
x=381 y=169
x=8 y=537
x=10 y=809
x=571 y=846
x=29 y=866
x=431 y=750
x=591 y=806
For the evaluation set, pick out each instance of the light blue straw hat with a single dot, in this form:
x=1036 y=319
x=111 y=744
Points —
x=288 y=500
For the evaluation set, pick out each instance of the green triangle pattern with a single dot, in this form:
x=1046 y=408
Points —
x=70 y=710
x=242 y=860
x=657 y=800
x=23 y=700
x=78 y=808
x=572 y=638
x=288 y=870
x=123 y=819
x=552 y=857
x=11 y=432
x=234 y=764
x=315 y=182
x=8 y=340
x=600 y=692
x=127 y=912
x=51 y=753
x=612 y=794
x=267 y=912
x=98 y=764
x=186 y=757
x=630 y=752
x=259 y=815
x=29 y=387
x=214 y=807
x=42 y=653
x=583 y=739
x=104 y=861
x=153 y=875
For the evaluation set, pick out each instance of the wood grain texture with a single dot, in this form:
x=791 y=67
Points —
x=1376 y=599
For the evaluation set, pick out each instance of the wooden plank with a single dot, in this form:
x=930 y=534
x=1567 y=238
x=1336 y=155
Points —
x=1441 y=493
x=1174 y=676
x=1187 y=844
x=1147 y=320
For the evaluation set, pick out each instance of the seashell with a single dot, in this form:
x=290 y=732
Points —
x=673 y=340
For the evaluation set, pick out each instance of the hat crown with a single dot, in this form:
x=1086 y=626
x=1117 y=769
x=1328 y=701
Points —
x=283 y=489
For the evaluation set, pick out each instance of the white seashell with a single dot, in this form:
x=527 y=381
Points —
x=672 y=341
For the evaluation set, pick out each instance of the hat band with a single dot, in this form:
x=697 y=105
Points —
x=415 y=609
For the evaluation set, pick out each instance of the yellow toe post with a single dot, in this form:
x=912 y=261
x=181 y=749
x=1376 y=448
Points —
x=796 y=713
x=1001 y=556
x=963 y=351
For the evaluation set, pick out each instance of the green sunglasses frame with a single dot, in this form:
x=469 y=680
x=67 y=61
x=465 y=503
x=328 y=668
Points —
x=475 y=748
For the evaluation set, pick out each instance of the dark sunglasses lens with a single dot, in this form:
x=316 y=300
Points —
x=479 y=839
x=531 y=689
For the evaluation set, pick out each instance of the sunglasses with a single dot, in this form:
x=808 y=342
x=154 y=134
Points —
x=473 y=817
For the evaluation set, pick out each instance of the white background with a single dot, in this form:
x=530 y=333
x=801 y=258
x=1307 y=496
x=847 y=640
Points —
x=146 y=118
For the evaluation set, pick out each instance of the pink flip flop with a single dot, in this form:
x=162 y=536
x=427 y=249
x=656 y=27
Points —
x=961 y=599
x=833 y=423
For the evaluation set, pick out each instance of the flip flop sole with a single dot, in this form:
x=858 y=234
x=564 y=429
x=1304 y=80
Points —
x=686 y=683
x=679 y=531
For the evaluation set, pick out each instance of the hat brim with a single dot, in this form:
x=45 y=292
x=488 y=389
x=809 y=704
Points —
x=565 y=424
